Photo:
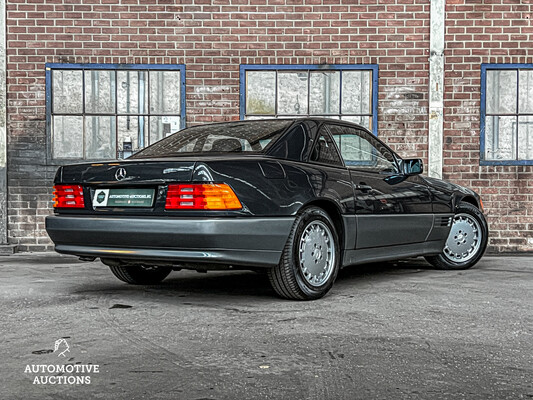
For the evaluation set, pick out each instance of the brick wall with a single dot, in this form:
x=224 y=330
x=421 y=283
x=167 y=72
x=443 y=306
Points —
x=212 y=39
x=486 y=32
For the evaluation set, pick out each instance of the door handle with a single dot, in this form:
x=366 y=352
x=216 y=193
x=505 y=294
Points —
x=363 y=187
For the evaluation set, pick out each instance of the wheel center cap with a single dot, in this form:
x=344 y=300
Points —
x=316 y=249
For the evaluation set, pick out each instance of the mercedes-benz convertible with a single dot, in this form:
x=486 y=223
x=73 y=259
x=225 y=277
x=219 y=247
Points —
x=297 y=198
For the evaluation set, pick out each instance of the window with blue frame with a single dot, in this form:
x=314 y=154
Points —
x=347 y=92
x=108 y=111
x=507 y=114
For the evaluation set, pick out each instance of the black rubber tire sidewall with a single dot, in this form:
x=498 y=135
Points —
x=139 y=275
x=308 y=215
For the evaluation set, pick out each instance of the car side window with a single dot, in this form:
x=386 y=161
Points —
x=293 y=144
x=360 y=151
x=325 y=152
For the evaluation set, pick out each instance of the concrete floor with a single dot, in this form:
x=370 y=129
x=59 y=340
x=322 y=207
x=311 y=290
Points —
x=386 y=331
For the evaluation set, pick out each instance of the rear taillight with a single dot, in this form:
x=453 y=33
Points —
x=215 y=196
x=68 y=196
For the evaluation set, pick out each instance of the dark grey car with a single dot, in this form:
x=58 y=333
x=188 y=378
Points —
x=298 y=198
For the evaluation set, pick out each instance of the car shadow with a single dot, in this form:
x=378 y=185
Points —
x=245 y=284
x=401 y=267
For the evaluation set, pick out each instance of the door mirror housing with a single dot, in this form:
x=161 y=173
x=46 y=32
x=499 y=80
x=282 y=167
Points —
x=412 y=166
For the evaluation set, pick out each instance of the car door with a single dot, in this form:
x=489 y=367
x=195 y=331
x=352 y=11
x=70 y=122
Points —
x=391 y=209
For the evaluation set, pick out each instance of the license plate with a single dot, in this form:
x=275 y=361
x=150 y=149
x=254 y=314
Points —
x=123 y=198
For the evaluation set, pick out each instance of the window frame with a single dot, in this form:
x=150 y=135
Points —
x=483 y=112
x=312 y=67
x=50 y=67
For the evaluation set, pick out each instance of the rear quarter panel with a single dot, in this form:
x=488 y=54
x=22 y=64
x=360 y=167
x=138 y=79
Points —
x=280 y=194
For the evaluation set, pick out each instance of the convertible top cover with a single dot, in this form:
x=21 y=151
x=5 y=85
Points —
x=245 y=136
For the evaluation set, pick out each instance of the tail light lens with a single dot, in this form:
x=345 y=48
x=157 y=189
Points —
x=216 y=196
x=68 y=196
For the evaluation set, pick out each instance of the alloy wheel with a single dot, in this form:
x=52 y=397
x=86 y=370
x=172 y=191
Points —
x=464 y=239
x=316 y=253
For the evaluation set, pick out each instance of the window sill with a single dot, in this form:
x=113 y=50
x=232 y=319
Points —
x=506 y=162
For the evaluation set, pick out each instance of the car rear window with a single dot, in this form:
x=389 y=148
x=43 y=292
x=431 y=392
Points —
x=235 y=137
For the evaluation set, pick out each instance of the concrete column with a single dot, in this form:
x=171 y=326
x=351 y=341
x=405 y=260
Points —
x=3 y=126
x=436 y=88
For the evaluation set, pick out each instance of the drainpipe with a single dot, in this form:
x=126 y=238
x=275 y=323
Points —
x=3 y=130
x=436 y=88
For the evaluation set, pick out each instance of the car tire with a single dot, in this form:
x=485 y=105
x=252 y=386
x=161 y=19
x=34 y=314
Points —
x=310 y=260
x=466 y=241
x=139 y=274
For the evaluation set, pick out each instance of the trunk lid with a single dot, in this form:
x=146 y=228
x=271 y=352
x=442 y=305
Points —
x=126 y=172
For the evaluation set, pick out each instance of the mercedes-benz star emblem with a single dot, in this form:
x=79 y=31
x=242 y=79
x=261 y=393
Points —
x=120 y=174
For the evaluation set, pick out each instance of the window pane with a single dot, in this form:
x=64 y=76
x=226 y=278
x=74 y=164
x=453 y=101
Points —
x=325 y=152
x=257 y=117
x=260 y=92
x=67 y=89
x=100 y=92
x=132 y=92
x=501 y=92
x=328 y=116
x=526 y=91
x=500 y=138
x=161 y=127
x=356 y=92
x=292 y=93
x=354 y=148
x=165 y=92
x=254 y=133
x=525 y=138
x=67 y=137
x=358 y=150
x=132 y=132
x=325 y=92
x=363 y=120
x=100 y=137
x=97 y=96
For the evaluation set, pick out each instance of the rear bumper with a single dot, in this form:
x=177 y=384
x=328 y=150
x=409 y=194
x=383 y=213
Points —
x=254 y=242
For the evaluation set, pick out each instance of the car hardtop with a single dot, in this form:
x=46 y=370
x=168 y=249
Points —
x=266 y=152
x=160 y=150
x=191 y=140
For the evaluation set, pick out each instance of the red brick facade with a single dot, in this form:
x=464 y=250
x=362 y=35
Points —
x=486 y=32
x=212 y=39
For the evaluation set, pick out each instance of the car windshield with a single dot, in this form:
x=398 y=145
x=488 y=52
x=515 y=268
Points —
x=236 y=137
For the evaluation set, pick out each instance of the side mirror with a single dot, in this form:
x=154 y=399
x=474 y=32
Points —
x=412 y=166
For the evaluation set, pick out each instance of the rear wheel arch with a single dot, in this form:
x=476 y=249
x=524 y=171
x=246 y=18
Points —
x=334 y=213
x=311 y=257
